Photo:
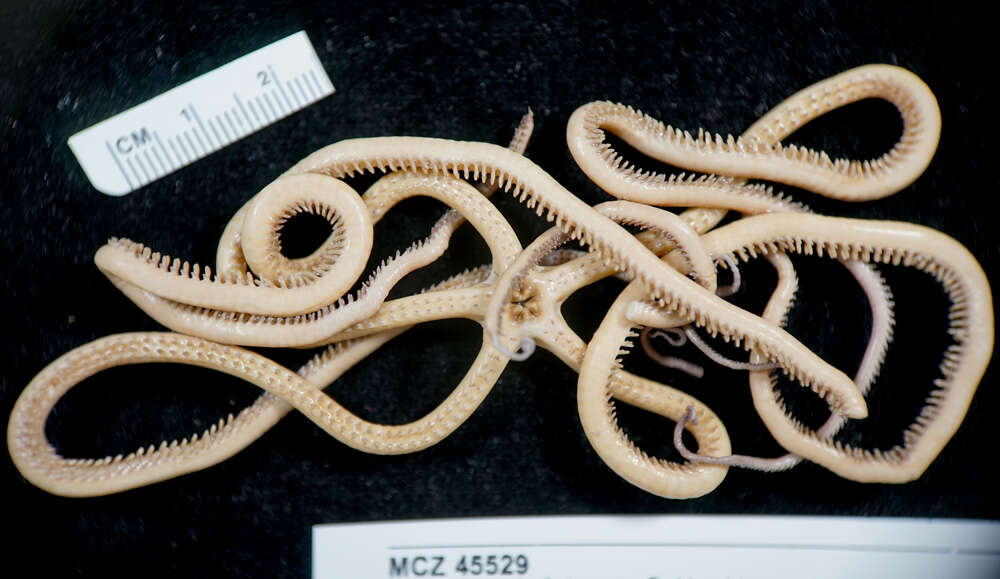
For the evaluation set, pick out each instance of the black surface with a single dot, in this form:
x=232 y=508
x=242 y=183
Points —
x=464 y=73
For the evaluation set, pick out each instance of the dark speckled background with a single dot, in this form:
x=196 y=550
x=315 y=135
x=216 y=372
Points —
x=465 y=73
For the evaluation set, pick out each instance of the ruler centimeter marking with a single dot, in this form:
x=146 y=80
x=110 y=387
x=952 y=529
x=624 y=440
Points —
x=193 y=120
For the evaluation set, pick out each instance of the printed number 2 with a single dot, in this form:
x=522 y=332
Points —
x=264 y=78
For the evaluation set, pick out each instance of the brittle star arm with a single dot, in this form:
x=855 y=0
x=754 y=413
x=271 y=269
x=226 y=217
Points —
x=776 y=309
x=280 y=289
x=599 y=370
x=759 y=152
x=40 y=463
x=316 y=328
x=970 y=318
x=230 y=257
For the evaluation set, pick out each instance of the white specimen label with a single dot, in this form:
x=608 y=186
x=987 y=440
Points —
x=186 y=123
x=659 y=547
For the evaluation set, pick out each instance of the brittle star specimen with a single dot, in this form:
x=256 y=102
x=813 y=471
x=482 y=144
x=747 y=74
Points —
x=259 y=297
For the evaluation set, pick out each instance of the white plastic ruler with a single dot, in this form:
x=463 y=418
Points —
x=659 y=547
x=201 y=116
